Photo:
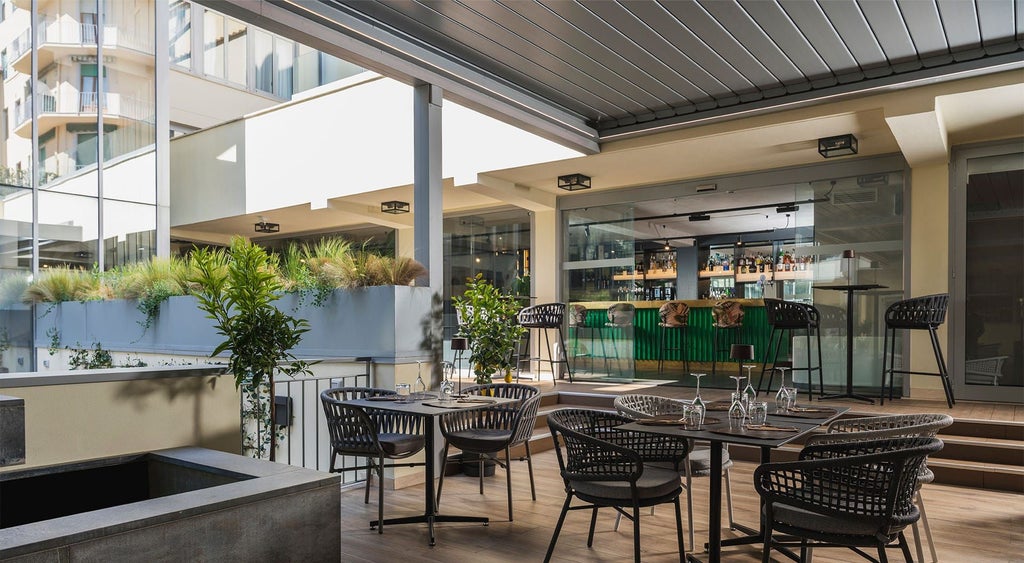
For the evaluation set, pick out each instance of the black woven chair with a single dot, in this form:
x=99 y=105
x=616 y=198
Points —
x=606 y=467
x=851 y=494
x=788 y=316
x=486 y=432
x=890 y=426
x=544 y=317
x=374 y=434
x=638 y=406
x=927 y=312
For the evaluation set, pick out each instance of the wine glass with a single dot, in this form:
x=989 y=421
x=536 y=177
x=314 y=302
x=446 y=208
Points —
x=783 y=397
x=738 y=378
x=698 y=402
x=447 y=386
x=419 y=388
x=737 y=412
x=749 y=394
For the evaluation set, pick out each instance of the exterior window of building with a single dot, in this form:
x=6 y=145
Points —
x=237 y=34
x=87 y=88
x=284 y=61
x=332 y=68
x=263 y=61
x=307 y=68
x=181 y=33
x=87 y=27
x=213 y=44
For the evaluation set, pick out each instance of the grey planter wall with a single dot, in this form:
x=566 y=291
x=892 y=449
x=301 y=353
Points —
x=383 y=322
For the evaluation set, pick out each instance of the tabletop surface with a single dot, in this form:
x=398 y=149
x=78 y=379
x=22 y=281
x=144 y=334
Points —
x=850 y=287
x=417 y=406
x=708 y=431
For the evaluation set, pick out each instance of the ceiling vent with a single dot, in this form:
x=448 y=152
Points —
x=854 y=197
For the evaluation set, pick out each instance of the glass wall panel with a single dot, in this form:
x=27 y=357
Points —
x=307 y=68
x=68 y=230
x=213 y=44
x=333 y=68
x=181 y=33
x=994 y=272
x=263 y=61
x=129 y=233
x=284 y=60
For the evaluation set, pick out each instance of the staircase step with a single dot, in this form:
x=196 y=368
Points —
x=994 y=476
x=982 y=450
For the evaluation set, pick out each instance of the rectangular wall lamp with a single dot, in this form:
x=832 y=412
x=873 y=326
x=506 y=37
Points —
x=265 y=227
x=840 y=145
x=394 y=207
x=573 y=182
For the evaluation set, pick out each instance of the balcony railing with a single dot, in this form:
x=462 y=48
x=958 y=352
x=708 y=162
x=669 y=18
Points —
x=113 y=104
x=305 y=441
x=75 y=33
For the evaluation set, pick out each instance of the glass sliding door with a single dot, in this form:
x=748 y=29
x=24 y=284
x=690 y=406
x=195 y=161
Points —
x=987 y=321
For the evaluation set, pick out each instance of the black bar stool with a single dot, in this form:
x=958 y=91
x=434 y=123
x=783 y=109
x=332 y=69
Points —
x=927 y=312
x=620 y=319
x=675 y=319
x=787 y=316
x=726 y=316
x=547 y=316
x=577 y=324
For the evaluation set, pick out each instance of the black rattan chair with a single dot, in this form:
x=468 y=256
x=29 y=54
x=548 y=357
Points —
x=890 y=426
x=851 y=494
x=544 y=317
x=486 y=432
x=638 y=406
x=927 y=312
x=374 y=434
x=788 y=316
x=606 y=467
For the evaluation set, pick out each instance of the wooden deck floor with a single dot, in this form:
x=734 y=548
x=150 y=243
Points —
x=969 y=525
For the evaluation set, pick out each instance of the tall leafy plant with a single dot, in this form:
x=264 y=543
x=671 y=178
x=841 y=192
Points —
x=487 y=317
x=237 y=290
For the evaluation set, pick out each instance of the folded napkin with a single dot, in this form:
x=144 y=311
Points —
x=811 y=409
x=770 y=428
x=661 y=421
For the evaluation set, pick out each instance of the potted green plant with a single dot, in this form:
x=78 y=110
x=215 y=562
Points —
x=487 y=317
x=237 y=290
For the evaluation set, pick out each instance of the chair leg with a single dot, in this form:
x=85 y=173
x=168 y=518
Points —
x=941 y=362
x=636 y=533
x=810 y=372
x=440 y=481
x=927 y=529
x=380 y=495
x=661 y=352
x=529 y=466
x=766 y=550
x=593 y=523
x=480 y=472
x=885 y=363
x=882 y=557
x=679 y=530
x=565 y=355
x=369 y=478
x=728 y=500
x=558 y=528
x=508 y=480
x=821 y=367
x=764 y=367
x=904 y=548
x=917 y=542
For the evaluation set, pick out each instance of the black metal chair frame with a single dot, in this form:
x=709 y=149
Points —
x=363 y=432
x=679 y=322
x=870 y=484
x=596 y=452
x=544 y=317
x=788 y=316
x=517 y=419
x=927 y=312
x=578 y=323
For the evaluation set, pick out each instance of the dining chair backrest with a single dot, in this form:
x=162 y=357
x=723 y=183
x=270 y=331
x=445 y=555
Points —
x=790 y=314
x=925 y=312
x=621 y=314
x=727 y=314
x=638 y=406
x=352 y=428
x=577 y=315
x=545 y=315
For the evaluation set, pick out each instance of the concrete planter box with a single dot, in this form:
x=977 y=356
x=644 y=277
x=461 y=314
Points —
x=183 y=504
x=383 y=322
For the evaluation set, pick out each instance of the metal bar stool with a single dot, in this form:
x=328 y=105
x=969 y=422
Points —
x=725 y=316
x=674 y=318
x=787 y=316
x=620 y=318
x=547 y=316
x=927 y=312
x=577 y=324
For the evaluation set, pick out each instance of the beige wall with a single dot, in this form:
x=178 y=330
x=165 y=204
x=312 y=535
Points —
x=93 y=419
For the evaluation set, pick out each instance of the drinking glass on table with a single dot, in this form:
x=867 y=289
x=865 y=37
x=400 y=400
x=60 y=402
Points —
x=758 y=412
x=698 y=402
x=737 y=412
x=403 y=390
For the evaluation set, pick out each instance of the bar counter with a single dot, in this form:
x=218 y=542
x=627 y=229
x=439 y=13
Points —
x=699 y=334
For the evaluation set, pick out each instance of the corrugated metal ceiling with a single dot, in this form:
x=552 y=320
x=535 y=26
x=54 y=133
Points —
x=629 y=67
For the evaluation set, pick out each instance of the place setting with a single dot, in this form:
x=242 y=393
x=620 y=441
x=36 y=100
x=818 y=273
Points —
x=785 y=404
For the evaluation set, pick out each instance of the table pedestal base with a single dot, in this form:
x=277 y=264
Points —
x=430 y=521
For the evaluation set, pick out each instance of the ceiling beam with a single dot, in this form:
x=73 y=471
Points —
x=512 y=193
x=333 y=28
x=346 y=212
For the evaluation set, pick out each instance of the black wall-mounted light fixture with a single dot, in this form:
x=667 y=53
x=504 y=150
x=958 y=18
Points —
x=267 y=227
x=394 y=207
x=699 y=217
x=573 y=182
x=840 y=145
x=788 y=208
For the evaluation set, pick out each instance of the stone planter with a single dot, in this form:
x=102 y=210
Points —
x=383 y=322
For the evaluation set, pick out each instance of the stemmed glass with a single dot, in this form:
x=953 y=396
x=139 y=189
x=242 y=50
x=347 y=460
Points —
x=749 y=394
x=698 y=403
x=419 y=388
x=786 y=397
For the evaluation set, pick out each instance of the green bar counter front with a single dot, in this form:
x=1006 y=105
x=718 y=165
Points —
x=699 y=334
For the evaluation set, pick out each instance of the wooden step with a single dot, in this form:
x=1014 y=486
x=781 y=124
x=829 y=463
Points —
x=993 y=476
